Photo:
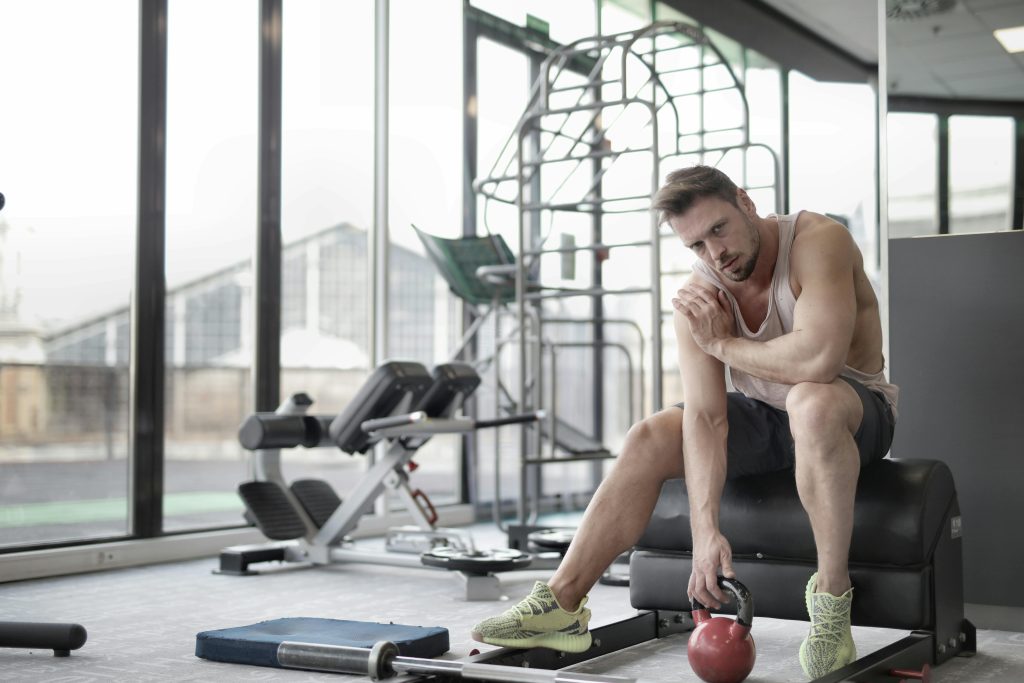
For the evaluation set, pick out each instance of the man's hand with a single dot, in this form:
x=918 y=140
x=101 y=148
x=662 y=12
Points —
x=710 y=551
x=709 y=314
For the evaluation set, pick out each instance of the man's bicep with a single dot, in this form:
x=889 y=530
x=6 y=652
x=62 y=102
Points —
x=703 y=375
x=827 y=305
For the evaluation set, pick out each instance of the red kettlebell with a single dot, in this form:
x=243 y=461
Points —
x=721 y=650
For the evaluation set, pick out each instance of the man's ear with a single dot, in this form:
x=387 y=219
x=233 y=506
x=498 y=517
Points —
x=745 y=203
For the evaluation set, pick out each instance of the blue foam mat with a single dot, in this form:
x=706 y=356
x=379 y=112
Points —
x=257 y=643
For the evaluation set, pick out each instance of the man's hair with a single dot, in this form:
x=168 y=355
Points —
x=686 y=185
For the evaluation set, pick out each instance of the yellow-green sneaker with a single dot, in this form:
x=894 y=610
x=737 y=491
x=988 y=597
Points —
x=829 y=645
x=538 y=621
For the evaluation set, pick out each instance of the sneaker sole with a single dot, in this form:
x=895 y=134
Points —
x=563 y=642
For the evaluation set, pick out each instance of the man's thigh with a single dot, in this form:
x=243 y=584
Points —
x=874 y=436
x=760 y=440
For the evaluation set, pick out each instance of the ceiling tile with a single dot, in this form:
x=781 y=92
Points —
x=996 y=86
x=1004 y=17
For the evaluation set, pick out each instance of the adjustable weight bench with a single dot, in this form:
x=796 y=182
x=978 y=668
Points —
x=400 y=403
x=905 y=562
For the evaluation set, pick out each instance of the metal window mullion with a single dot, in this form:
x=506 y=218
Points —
x=378 y=237
x=597 y=281
x=267 y=266
x=470 y=131
x=378 y=246
x=943 y=173
x=146 y=365
x=1017 y=219
x=784 y=98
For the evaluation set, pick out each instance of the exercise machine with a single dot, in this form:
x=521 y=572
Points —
x=402 y=405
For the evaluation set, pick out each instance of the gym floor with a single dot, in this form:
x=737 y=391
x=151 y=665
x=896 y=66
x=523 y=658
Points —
x=142 y=622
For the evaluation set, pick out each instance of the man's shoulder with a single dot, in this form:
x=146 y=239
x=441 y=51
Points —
x=817 y=231
x=811 y=220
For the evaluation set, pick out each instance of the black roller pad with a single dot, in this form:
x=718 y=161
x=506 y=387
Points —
x=257 y=643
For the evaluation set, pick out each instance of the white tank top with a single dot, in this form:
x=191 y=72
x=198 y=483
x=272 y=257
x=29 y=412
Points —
x=779 y=321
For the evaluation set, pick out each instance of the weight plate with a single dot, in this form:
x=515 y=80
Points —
x=476 y=561
x=552 y=539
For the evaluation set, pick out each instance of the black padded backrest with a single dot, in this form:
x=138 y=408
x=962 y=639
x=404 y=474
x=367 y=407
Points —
x=900 y=511
x=383 y=392
x=453 y=384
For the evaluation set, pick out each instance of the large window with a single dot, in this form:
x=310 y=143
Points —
x=425 y=189
x=326 y=214
x=832 y=158
x=913 y=174
x=971 y=158
x=980 y=173
x=68 y=172
x=211 y=213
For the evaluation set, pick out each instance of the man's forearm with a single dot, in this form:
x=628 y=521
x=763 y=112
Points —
x=789 y=359
x=704 y=458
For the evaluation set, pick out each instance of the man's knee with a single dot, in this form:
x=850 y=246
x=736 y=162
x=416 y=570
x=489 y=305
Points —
x=656 y=439
x=819 y=410
x=643 y=435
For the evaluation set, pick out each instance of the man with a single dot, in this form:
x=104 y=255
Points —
x=784 y=304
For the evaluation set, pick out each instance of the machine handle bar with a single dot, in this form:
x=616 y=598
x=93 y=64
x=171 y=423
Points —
x=533 y=416
x=383 y=661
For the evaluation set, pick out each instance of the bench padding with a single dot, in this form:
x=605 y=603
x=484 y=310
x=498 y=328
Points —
x=904 y=509
x=900 y=505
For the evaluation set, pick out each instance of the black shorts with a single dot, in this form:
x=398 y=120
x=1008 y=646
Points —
x=760 y=441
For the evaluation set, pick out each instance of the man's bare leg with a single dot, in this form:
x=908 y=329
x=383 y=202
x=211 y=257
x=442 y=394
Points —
x=621 y=508
x=823 y=419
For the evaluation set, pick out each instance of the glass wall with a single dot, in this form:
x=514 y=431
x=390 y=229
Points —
x=326 y=213
x=832 y=160
x=497 y=107
x=913 y=174
x=212 y=69
x=64 y=351
x=425 y=179
x=980 y=173
x=68 y=163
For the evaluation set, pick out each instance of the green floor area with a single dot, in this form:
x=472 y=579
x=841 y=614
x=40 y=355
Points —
x=108 y=509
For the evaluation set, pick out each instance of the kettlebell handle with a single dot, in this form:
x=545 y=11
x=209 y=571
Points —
x=744 y=601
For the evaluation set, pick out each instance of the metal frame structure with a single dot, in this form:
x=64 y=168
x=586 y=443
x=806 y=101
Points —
x=599 y=106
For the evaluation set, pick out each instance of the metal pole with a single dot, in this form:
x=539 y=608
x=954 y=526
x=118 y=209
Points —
x=521 y=331
x=656 y=341
x=1017 y=218
x=267 y=259
x=468 y=492
x=146 y=368
x=378 y=241
x=943 y=174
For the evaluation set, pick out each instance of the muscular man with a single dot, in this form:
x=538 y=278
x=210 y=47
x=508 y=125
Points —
x=783 y=303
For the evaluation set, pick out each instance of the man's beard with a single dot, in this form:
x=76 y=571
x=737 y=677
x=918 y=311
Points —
x=746 y=268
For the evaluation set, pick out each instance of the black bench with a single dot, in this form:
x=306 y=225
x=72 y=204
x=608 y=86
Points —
x=905 y=556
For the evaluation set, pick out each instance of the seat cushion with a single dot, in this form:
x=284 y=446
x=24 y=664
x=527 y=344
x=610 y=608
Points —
x=900 y=511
